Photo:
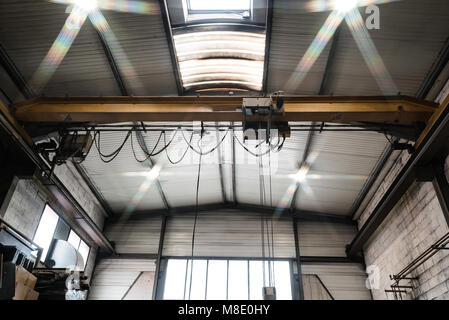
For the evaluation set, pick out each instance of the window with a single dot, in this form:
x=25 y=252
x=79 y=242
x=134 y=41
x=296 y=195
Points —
x=45 y=234
x=79 y=245
x=216 y=279
x=211 y=6
x=46 y=230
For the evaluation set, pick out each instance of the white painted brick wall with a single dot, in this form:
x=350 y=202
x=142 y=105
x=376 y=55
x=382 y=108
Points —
x=81 y=192
x=415 y=223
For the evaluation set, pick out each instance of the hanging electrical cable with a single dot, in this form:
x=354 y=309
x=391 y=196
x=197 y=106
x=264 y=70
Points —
x=185 y=152
x=152 y=151
x=207 y=152
x=107 y=158
x=196 y=210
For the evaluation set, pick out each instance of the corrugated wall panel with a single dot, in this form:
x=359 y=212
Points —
x=136 y=236
x=113 y=277
x=226 y=234
x=324 y=239
x=344 y=281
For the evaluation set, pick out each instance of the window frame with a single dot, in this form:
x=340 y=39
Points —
x=192 y=15
x=79 y=244
x=54 y=231
x=37 y=228
x=189 y=260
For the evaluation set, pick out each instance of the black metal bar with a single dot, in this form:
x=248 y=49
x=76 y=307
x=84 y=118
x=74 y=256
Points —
x=435 y=71
x=330 y=62
x=135 y=256
x=234 y=185
x=93 y=189
x=171 y=46
x=115 y=70
x=132 y=285
x=434 y=141
x=298 y=260
x=324 y=286
x=207 y=279
x=11 y=69
x=151 y=165
x=303 y=162
x=250 y=209
x=372 y=179
x=441 y=186
x=159 y=256
x=395 y=291
x=220 y=169
x=310 y=259
x=269 y=24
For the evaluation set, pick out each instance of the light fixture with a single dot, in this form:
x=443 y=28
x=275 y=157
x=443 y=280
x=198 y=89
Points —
x=87 y=5
x=345 y=5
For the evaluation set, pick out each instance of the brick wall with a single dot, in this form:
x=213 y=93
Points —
x=23 y=206
x=72 y=180
x=415 y=223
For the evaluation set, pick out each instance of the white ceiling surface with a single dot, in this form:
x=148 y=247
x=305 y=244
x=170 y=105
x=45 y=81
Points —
x=344 y=162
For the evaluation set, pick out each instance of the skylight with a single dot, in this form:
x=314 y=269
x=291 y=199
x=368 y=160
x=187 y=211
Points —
x=221 y=59
x=220 y=5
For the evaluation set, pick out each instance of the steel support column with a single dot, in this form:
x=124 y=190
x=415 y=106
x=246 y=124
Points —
x=298 y=260
x=159 y=257
x=441 y=186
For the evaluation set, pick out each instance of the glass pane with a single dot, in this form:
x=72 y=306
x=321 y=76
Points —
x=198 y=290
x=216 y=5
x=282 y=279
x=238 y=280
x=84 y=251
x=174 y=280
x=45 y=230
x=255 y=280
x=74 y=240
x=217 y=280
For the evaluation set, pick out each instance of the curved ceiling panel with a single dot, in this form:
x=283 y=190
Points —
x=221 y=59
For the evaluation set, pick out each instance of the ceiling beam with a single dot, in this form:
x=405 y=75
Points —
x=269 y=24
x=322 y=91
x=171 y=45
x=244 y=208
x=8 y=64
x=436 y=71
x=303 y=162
x=150 y=163
x=114 y=68
x=398 y=109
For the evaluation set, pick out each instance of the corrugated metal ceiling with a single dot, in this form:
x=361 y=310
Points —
x=343 y=162
x=411 y=36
